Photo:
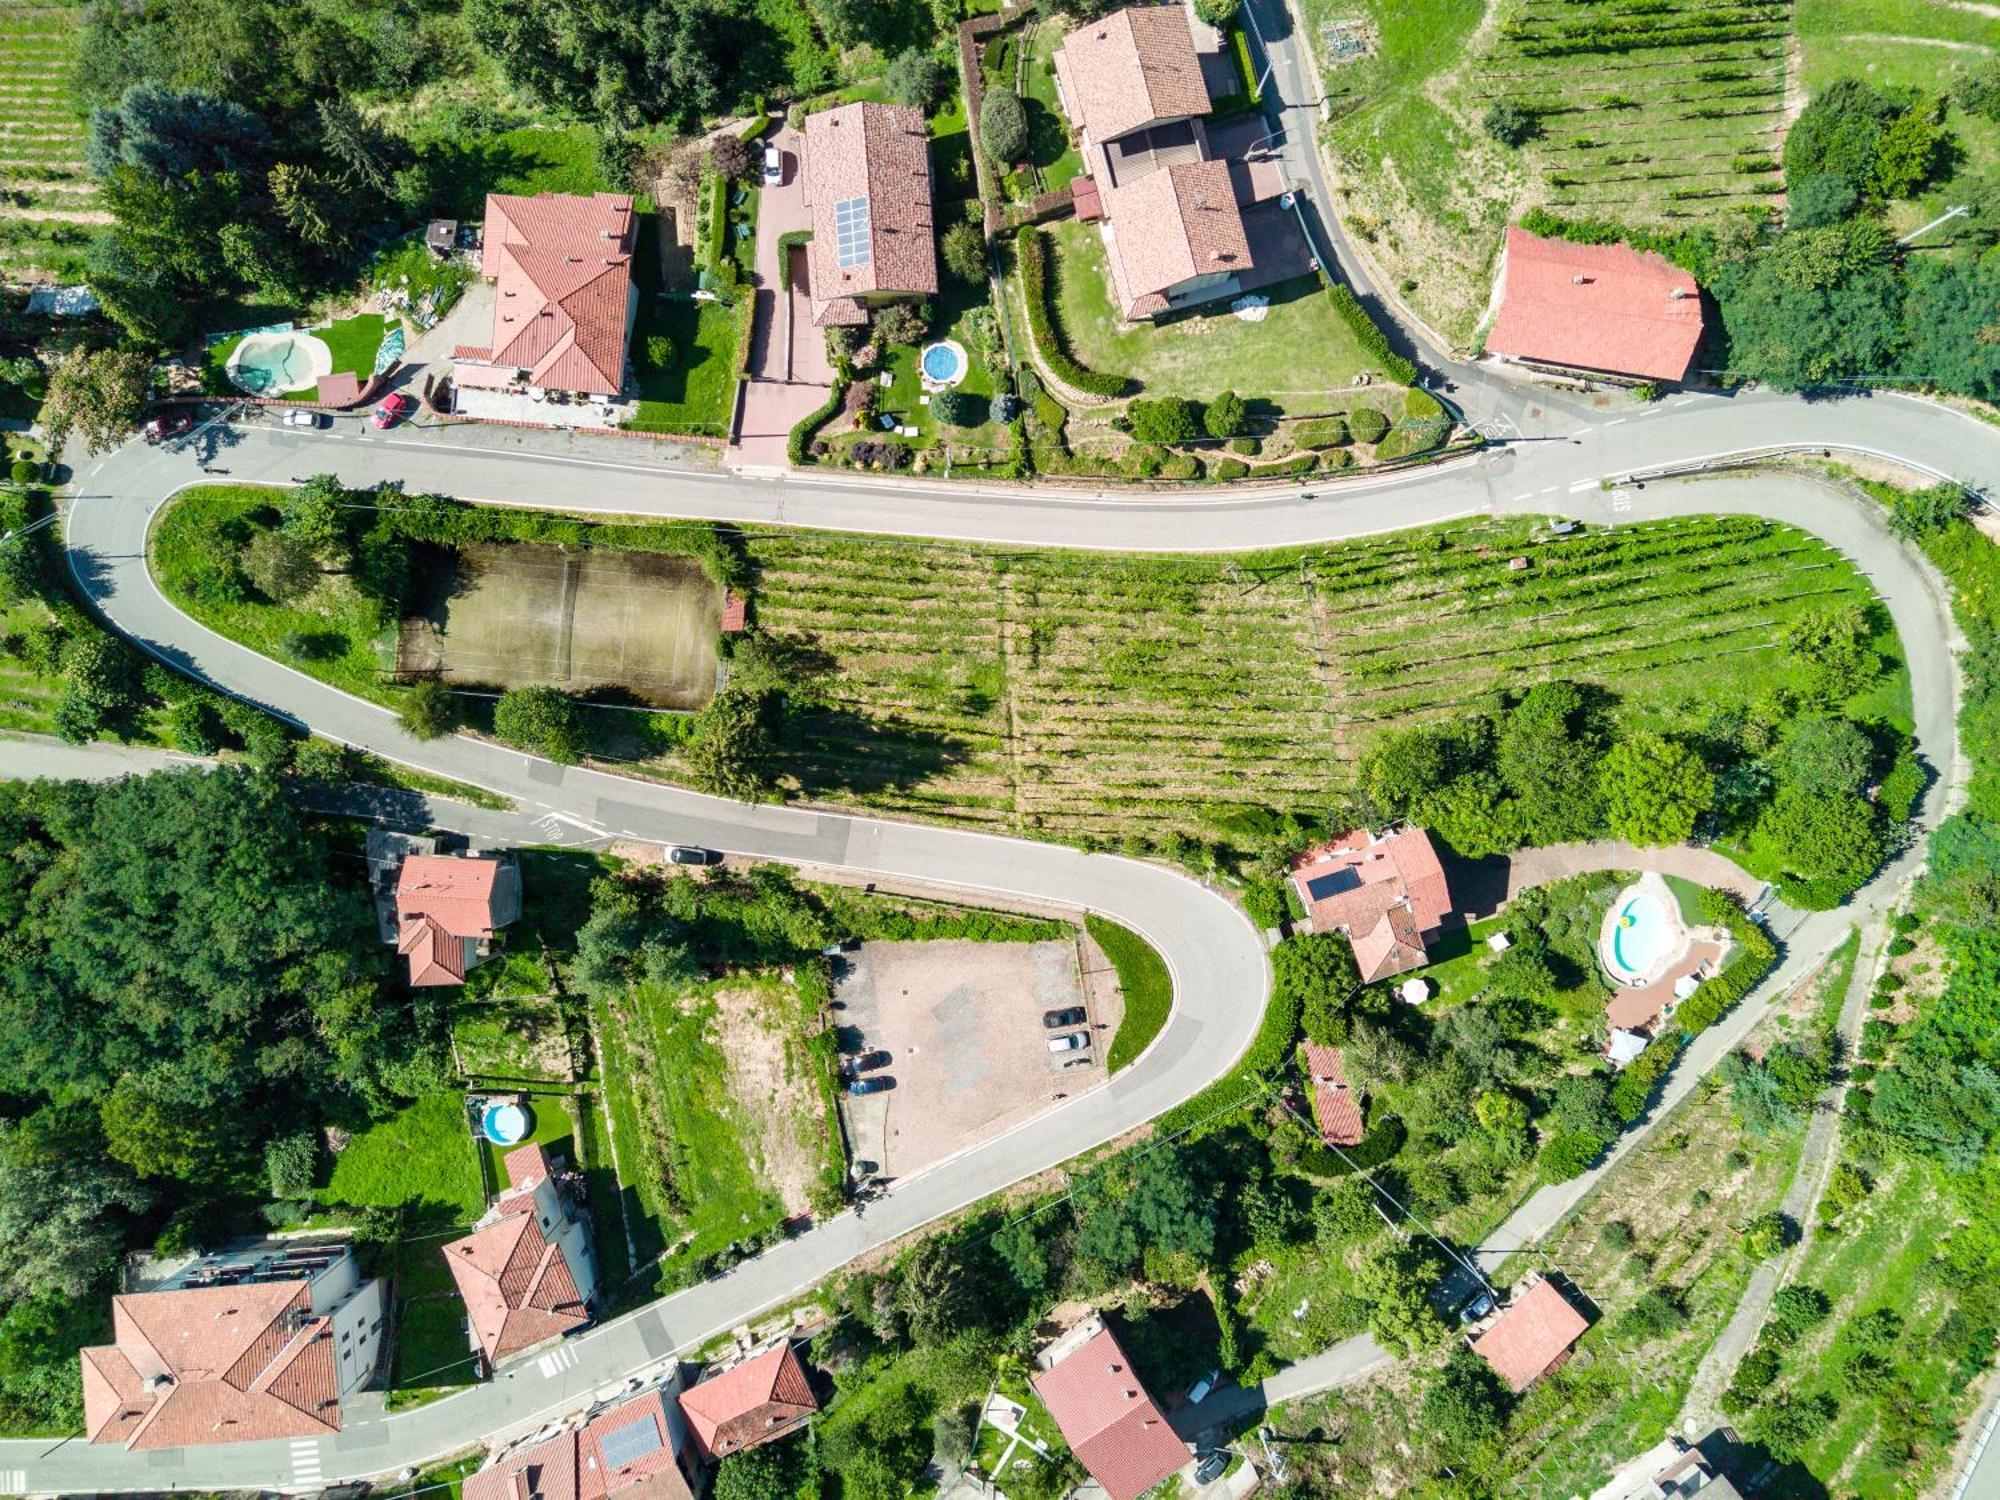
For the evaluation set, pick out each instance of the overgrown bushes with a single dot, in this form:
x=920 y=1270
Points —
x=1750 y=961
x=1369 y=335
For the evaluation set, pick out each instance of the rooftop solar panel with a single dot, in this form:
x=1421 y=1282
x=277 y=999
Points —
x=1332 y=884
x=851 y=232
x=630 y=1443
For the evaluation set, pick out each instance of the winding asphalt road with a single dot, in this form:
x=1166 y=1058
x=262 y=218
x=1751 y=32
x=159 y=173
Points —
x=1218 y=962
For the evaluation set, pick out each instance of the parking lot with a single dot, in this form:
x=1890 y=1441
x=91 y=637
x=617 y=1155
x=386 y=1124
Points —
x=962 y=1024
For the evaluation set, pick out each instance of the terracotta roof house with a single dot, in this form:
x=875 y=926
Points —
x=866 y=176
x=232 y=1348
x=1133 y=68
x=639 y=1450
x=1595 y=309
x=1167 y=208
x=1114 y=1427
x=526 y=1273
x=1336 y=1106
x=1532 y=1337
x=449 y=909
x=564 y=301
x=1387 y=893
x=758 y=1401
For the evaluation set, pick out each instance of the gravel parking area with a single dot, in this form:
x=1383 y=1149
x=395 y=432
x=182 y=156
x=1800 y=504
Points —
x=962 y=1023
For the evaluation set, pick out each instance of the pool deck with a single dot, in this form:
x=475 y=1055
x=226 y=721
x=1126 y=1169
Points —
x=1638 y=1007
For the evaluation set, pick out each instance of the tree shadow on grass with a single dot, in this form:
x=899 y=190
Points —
x=831 y=749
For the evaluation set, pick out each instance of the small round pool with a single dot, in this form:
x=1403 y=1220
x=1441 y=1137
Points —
x=506 y=1124
x=943 y=364
x=1641 y=936
x=270 y=364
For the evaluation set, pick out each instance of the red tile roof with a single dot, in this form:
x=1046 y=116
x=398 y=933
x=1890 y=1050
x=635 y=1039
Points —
x=517 y=1285
x=1388 y=895
x=563 y=266
x=574 y=1466
x=1086 y=199
x=751 y=1403
x=1130 y=69
x=1170 y=226
x=526 y=1165
x=436 y=957
x=1109 y=1421
x=212 y=1365
x=441 y=900
x=735 y=612
x=879 y=153
x=1531 y=1337
x=1596 y=307
x=1335 y=1105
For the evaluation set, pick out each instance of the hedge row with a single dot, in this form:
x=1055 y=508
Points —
x=1370 y=337
x=1688 y=249
x=1755 y=954
x=1633 y=1091
x=449 y=523
x=789 y=241
x=802 y=432
x=1037 y=283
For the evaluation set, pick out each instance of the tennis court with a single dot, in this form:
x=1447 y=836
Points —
x=587 y=620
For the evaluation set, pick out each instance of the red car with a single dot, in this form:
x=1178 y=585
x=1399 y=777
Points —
x=168 y=424
x=390 y=410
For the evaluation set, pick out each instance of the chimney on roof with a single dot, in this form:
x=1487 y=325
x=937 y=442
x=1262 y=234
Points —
x=1679 y=294
x=159 y=1382
x=1579 y=279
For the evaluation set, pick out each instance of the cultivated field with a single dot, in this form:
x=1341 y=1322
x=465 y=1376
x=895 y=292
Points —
x=509 y=616
x=47 y=200
x=1106 y=697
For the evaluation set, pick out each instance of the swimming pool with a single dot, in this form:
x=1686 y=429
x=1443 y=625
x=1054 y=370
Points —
x=270 y=364
x=1642 y=933
x=506 y=1124
x=943 y=364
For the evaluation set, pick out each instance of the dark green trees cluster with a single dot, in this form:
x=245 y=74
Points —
x=1817 y=796
x=185 y=978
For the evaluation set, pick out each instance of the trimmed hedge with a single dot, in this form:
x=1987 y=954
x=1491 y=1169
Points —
x=1228 y=468
x=1635 y=1086
x=802 y=432
x=1755 y=954
x=1031 y=256
x=1367 y=424
x=450 y=523
x=789 y=241
x=1323 y=432
x=1369 y=336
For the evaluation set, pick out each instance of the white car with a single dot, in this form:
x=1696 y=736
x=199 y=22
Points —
x=304 y=418
x=1069 y=1043
x=774 y=166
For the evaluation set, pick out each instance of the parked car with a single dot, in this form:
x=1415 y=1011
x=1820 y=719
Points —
x=692 y=854
x=1480 y=1304
x=1211 y=1466
x=390 y=410
x=168 y=424
x=876 y=1085
x=868 y=1062
x=845 y=945
x=306 y=419
x=1071 y=1043
x=1055 y=1020
x=1198 y=1392
x=774 y=167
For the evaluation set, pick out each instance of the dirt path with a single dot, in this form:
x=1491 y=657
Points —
x=1701 y=1410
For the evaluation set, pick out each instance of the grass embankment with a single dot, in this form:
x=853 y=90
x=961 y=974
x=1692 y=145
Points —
x=1143 y=980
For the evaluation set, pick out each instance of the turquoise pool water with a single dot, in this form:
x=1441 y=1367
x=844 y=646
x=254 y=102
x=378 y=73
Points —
x=944 y=364
x=1640 y=939
x=269 y=364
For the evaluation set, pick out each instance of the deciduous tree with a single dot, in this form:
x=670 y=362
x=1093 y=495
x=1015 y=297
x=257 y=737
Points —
x=1654 y=789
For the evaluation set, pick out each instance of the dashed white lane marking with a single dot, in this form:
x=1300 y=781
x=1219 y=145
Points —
x=1583 y=484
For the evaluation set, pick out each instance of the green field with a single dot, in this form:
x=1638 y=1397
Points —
x=1144 y=983
x=1299 y=356
x=421 y=1158
x=1110 y=697
x=48 y=212
x=1651 y=111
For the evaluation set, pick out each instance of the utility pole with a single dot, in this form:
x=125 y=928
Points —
x=1944 y=218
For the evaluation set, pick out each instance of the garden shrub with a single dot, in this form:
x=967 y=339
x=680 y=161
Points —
x=1336 y=459
x=1180 y=466
x=1228 y=468
x=541 y=720
x=1246 y=445
x=1003 y=125
x=1324 y=432
x=1225 y=415
x=1421 y=405
x=1032 y=258
x=1367 y=424
x=21 y=471
x=954 y=409
x=1143 y=460
x=1370 y=336
x=1303 y=463
x=1170 y=419
x=802 y=432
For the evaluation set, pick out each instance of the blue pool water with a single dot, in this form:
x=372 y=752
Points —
x=943 y=363
x=506 y=1124
x=1640 y=939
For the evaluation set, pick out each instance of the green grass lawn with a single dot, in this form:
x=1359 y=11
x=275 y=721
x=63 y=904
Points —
x=1147 y=987
x=553 y=1130
x=692 y=393
x=1298 y=356
x=422 y=1158
x=1457 y=967
x=352 y=342
x=1913 y=43
x=349 y=644
x=433 y=1349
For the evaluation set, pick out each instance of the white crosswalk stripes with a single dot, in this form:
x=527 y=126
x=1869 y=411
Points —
x=305 y=1461
x=13 y=1481
x=556 y=1361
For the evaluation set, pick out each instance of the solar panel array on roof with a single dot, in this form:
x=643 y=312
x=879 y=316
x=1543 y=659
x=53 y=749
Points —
x=851 y=232
x=1333 y=883
x=632 y=1442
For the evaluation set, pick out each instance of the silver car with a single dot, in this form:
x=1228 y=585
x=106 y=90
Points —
x=1070 y=1043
